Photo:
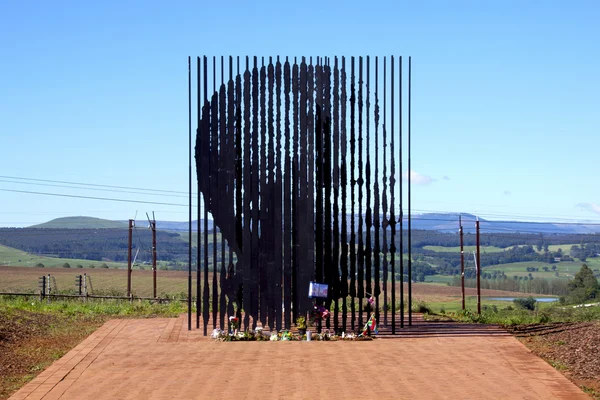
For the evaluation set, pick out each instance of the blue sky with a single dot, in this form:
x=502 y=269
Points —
x=505 y=98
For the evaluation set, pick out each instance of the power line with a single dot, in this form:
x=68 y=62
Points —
x=93 y=188
x=93 y=184
x=96 y=198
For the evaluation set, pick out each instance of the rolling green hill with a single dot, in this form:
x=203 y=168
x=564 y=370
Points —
x=80 y=223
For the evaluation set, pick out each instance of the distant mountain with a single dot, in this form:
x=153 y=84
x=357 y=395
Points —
x=448 y=222
x=80 y=223
x=98 y=223
x=181 y=226
x=441 y=222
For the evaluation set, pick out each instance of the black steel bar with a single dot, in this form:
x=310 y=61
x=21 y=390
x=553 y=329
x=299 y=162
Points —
x=344 y=184
x=384 y=203
x=319 y=181
x=231 y=192
x=392 y=192
x=236 y=285
x=271 y=214
x=368 y=215
x=199 y=199
x=205 y=161
x=304 y=270
x=247 y=194
x=330 y=269
x=377 y=217
x=401 y=211
x=255 y=272
x=409 y=199
x=335 y=262
x=295 y=195
x=263 y=218
x=352 y=200
x=190 y=198
x=307 y=165
x=278 y=206
x=287 y=205
x=360 y=183
x=214 y=198
x=221 y=201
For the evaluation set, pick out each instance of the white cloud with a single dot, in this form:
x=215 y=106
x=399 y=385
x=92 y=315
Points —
x=417 y=178
x=593 y=207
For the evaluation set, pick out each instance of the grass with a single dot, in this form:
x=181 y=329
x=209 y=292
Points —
x=103 y=281
x=544 y=313
x=444 y=279
x=15 y=257
x=566 y=248
x=565 y=270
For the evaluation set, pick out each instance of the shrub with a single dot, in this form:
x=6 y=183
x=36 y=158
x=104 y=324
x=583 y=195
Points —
x=525 y=303
x=40 y=265
x=79 y=266
x=66 y=265
x=421 y=307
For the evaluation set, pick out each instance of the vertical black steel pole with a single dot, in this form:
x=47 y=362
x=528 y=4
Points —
x=190 y=194
x=401 y=212
x=409 y=199
x=205 y=294
x=384 y=203
x=361 y=254
x=198 y=226
x=377 y=218
x=392 y=193
x=336 y=192
x=352 y=198
x=344 y=184
x=287 y=204
x=368 y=215
x=214 y=181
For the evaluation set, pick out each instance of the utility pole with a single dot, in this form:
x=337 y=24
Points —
x=478 y=270
x=129 y=258
x=153 y=228
x=462 y=262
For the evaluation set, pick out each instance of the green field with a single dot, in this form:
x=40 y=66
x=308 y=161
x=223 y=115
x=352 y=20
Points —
x=565 y=269
x=566 y=248
x=438 y=279
x=14 y=257
x=467 y=249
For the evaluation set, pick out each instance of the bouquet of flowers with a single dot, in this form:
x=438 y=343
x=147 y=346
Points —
x=234 y=324
x=318 y=313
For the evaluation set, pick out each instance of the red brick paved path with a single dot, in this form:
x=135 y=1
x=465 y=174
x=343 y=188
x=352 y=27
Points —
x=161 y=359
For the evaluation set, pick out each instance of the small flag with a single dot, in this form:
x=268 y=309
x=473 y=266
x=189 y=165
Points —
x=370 y=326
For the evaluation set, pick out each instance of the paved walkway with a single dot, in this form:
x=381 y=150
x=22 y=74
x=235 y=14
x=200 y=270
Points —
x=161 y=359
